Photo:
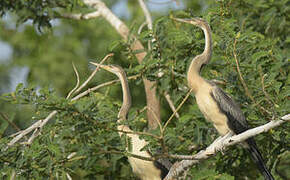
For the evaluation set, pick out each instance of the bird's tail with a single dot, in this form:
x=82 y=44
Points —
x=257 y=158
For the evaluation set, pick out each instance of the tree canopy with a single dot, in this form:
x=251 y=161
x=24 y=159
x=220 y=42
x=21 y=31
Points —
x=250 y=62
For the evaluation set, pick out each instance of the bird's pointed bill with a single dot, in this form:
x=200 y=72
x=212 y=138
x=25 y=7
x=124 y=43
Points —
x=98 y=65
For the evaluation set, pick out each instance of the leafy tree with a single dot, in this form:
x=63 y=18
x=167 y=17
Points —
x=81 y=140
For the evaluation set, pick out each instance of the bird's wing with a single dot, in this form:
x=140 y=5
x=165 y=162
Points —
x=163 y=164
x=236 y=119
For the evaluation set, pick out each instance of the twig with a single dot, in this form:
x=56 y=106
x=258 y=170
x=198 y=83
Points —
x=123 y=30
x=94 y=72
x=146 y=13
x=4 y=116
x=171 y=105
x=156 y=119
x=150 y=27
x=37 y=124
x=68 y=176
x=141 y=27
x=139 y=133
x=248 y=93
x=173 y=114
x=221 y=144
x=126 y=154
x=264 y=89
x=43 y=122
x=78 y=81
x=100 y=86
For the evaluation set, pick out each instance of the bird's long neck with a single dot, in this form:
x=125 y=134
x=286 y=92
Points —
x=126 y=97
x=208 y=43
x=193 y=74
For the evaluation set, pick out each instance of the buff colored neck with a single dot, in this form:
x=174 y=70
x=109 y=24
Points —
x=126 y=97
x=193 y=74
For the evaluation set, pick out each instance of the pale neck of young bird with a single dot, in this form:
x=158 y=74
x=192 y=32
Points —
x=193 y=75
x=126 y=97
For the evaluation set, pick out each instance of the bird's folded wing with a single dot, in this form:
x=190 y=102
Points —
x=236 y=119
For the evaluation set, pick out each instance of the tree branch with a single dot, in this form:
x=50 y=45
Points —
x=4 y=116
x=94 y=72
x=221 y=144
x=40 y=123
x=123 y=30
x=150 y=27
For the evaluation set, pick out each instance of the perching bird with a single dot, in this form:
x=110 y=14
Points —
x=145 y=170
x=216 y=106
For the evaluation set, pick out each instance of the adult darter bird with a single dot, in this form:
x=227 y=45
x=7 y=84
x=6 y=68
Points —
x=144 y=169
x=216 y=106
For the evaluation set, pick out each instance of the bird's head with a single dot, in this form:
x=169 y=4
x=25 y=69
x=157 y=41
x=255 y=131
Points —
x=111 y=68
x=194 y=21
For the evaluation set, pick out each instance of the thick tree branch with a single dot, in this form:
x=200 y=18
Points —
x=122 y=29
x=221 y=144
x=150 y=27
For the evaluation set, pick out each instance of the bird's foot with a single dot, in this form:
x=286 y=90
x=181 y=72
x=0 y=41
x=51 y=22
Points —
x=223 y=138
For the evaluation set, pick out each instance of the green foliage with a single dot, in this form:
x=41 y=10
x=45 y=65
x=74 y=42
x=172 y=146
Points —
x=85 y=130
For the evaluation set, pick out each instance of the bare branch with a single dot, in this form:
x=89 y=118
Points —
x=38 y=124
x=171 y=105
x=147 y=14
x=78 y=81
x=123 y=30
x=220 y=144
x=139 y=133
x=93 y=73
x=180 y=105
x=150 y=27
x=141 y=27
x=100 y=86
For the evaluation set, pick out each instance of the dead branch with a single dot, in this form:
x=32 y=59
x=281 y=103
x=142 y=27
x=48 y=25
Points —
x=94 y=72
x=37 y=126
x=78 y=82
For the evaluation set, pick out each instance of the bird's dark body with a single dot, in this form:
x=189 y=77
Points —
x=164 y=170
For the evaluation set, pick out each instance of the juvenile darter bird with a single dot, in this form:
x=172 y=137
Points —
x=145 y=170
x=216 y=106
